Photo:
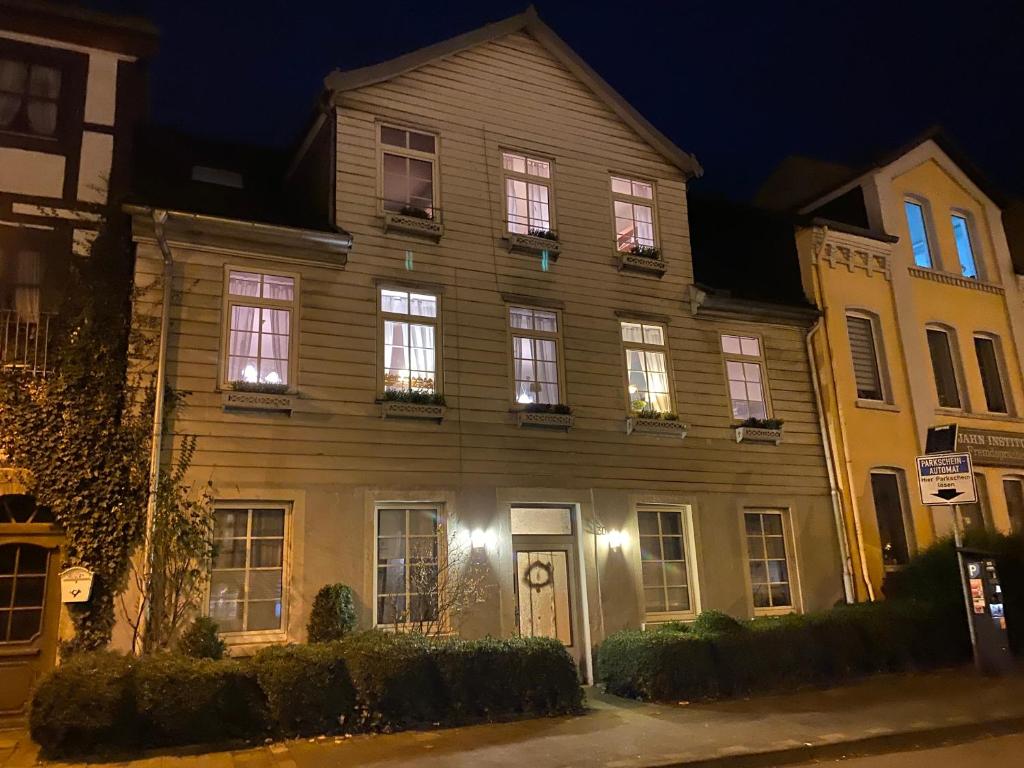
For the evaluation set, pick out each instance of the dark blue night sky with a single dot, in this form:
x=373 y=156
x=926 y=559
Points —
x=739 y=84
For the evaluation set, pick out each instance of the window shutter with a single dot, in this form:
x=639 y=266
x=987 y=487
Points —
x=865 y=362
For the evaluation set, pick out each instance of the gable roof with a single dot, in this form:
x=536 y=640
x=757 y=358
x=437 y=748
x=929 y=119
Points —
x=530 y=23
x=71 y=22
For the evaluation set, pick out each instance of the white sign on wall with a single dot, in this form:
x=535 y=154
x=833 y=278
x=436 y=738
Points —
x=946 y=478
x=75 y=584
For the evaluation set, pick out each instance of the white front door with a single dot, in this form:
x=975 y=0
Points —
x=542 y=584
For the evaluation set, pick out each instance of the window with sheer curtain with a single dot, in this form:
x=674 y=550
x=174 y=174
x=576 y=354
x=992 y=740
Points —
x=527 y=193
x=535 y=355
x=633 y=202
x=260 y=313
x=744 y=368
x=29 y=96
x=410 y=340
x=646 y=367
x=21 y=283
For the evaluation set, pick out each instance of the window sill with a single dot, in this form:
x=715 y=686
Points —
x=785 y=610
x=876 y=405
x=941 y=411
x=985 y=416
x=248 y=643
x=667 y=616
x=232 y=400
x=657 y=427
x=630 y=262
x=413 y=225
x=544 y=420
x=531 y=244
x=758 y=435
x=950 y=278
x=396 y=409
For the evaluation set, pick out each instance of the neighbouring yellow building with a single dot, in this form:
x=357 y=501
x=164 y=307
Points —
x=921 y=326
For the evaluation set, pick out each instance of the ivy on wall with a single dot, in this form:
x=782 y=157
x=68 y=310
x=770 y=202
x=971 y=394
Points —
x=83 y=431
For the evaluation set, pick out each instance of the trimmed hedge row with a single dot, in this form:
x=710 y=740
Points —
x=103 y=702
x=782 y=653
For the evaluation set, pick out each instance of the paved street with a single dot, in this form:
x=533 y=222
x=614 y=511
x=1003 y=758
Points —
x=995 y=752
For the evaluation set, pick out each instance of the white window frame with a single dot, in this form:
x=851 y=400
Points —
x=548 y=182
x=956 y=360
x=1001 y=373
x=878 y=345
x=435 y=321
x=632 y=199
x=260 y=635
x=792 y=571
x=969 y=223
x=433 y=158
x=230 y=300
x=646 y=347
x=442 y=554
x=759 y=359
x=906 y=513
x=929 y=232
x=533 y=334
x=685 y=512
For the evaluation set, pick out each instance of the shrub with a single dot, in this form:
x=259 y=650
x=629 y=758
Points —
x=657 y=666
x=182 y=700
x=85 y=704
x=201 y=641
x=333 y=614
x=307 y=687
x=716 y=623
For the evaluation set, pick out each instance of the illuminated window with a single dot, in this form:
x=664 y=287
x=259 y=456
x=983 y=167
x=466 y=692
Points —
x=989 y=365
x=410 y=340
x=964 y=247
x=663 y=560
x=918 y=227
x=527 y=193
x=768 y=560
x=646 y=367
x=535 y=350
x=408 y=167
x=408 y=541
x=947 y=386
x=247 y=578
x=890 y=513
x=744 y=367
x=633 y=202
x=260 y=329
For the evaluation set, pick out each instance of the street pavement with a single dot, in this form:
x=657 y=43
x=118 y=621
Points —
x=881 y=714
x=996 y=752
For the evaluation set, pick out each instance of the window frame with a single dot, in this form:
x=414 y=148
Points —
x=789 y=541
x=1001 y=372
x=928 y=224
x=663 y=348
x=972 y=241
x=433 y=158
x=906 y=514
x=761 y=360
x=258 y=636
x=549 y=182
x=443 y=621
x=956 y=361
x=878 y=344
x=652 y=203
x=559 y=350
x=437 y=322
x=1016 y=525
x=685 y=512
x=228 y=300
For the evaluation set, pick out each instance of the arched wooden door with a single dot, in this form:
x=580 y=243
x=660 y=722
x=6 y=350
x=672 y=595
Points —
x=29 y=600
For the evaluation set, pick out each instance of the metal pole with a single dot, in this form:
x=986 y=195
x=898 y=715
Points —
x=968 y=605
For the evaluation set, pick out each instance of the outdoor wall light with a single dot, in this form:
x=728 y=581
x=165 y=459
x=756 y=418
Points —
x=480 y=538
x=616 y=539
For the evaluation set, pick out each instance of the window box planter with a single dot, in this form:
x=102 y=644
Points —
x=544 y=419
x=237 y=400
x=397 y=409
x=651 y=265
x=658 y=427
x=413 y=225
x=759 y=435
x=533 y=244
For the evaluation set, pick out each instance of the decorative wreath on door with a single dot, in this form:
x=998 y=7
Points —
x=538 y=575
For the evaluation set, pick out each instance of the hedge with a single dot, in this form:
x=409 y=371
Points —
x=104 y=702
x=774 y=654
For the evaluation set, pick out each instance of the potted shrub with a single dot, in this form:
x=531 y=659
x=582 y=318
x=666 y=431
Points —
x=555 y=415
x=759 y=431
x=412 y=404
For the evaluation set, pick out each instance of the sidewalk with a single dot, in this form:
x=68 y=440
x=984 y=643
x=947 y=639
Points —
x=876 y=715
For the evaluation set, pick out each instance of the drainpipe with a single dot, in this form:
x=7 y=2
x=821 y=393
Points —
x=159 y=219
x=849 y=593
x=848 y=462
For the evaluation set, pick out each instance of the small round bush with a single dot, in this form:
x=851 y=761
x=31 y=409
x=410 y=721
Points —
x=201 y=641
x=333 y=615
x=716 y=623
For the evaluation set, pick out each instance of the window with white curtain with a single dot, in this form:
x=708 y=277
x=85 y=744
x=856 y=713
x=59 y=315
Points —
x=409 y=171
x=410 y=340
x=646 y=367
x=260 y=327
x=535 y=350
x=29 y=96
x=744 y=368
x=633 y=203
x=527 y=193
x=21 y=282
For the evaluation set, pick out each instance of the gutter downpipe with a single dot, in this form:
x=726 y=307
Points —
x=159 y=219
x=854 y=507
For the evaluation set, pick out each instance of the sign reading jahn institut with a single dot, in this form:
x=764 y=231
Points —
x=991 y=448
x=946 y=478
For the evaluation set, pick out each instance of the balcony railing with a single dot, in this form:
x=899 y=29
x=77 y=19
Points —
x=25 y=342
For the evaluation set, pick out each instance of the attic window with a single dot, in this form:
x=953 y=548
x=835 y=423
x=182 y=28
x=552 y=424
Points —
x=219 y=176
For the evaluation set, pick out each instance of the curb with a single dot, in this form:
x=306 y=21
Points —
x=925 y=738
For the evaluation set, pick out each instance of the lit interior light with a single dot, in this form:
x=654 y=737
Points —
x=616 y=539
x=632 y=389
x=273 y=378
x=525 y=398
x=249 y=373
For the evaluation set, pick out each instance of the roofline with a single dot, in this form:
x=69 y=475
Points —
x=706 y=301
x=133 y=35
x=528 y=21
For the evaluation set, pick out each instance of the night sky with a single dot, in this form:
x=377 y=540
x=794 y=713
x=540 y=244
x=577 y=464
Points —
x=739 y=84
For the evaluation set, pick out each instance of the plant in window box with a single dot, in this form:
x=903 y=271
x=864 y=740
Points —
x=645 y=251
x=535 y=241
x=416 y=212
x=412 y=404
x=414 y=220
x=754 y=430
x=642 y=258
x=557 y=415
x=649 y=420
x=264 y=387
x=544 y=234
x=257 y=396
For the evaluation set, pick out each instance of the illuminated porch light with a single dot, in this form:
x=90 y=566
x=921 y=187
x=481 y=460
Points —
x=616 y=539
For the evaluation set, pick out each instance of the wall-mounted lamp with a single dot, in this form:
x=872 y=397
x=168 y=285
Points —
x=480 y=539
x=616 y=539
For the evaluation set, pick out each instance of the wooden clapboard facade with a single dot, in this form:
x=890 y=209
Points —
x=332 y=462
